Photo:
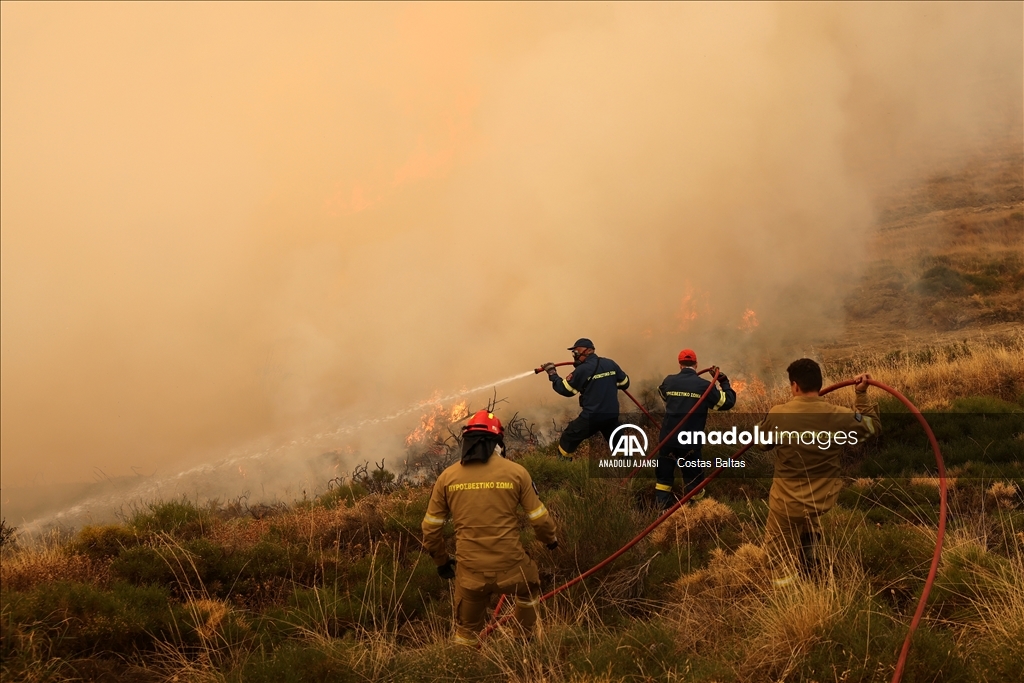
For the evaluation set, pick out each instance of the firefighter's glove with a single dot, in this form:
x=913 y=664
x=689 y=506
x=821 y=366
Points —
x=722 y=379
x=712 y=370
x=553 y=544
x=447 y=570
x=550 y=369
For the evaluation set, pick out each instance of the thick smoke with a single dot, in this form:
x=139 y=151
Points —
x=221 y=221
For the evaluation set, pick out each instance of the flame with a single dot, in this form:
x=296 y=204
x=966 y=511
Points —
x=435 y=420
x=458 y=411
x=749 y=320
x=757 y=387
x=688 y=307
x=738 y=386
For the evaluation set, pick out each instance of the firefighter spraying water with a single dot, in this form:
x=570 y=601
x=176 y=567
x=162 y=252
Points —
x=597 y=381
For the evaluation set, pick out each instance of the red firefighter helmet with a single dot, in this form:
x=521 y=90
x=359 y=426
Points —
x=483 y=421
x=688 y=355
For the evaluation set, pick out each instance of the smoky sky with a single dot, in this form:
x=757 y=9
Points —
x=221 y=221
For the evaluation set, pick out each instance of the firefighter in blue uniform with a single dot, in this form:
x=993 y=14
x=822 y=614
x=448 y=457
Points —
x=597 y=382
x=680 y=392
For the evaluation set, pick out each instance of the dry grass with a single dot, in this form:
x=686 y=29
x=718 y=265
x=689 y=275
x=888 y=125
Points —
x=787 y=623
x=994 y=368
x=47 y=561
x=933 y=375
x=692 y=523
x=1003 y=494
x=315 y=526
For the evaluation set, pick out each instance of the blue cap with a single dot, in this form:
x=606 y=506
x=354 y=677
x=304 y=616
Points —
x=584 y=342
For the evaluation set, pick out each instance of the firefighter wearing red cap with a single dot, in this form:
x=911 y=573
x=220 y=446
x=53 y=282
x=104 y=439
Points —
x=481 y=493
x=597 y=381
x=680 y=392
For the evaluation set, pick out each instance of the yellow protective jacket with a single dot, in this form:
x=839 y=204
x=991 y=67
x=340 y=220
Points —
x=481 y=498
x=807 y=468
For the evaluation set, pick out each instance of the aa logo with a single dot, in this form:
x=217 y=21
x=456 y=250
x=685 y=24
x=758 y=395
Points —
x=627 y=442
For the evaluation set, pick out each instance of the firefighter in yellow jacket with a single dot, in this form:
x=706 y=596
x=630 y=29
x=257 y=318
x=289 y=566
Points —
x=481 y=493
x=808 y=437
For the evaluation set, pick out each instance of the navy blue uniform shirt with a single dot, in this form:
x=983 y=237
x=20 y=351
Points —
x=680 y=392
x=597 y=381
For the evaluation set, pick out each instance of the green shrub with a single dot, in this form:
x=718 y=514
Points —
x=381 y=592
x=550 y=473
x=645 y=651
x=81 y=619
x=593 y=521
x=344 y=495
x=895 y=557
x=202 y=565
x=101 y=542
x=405 y=518
x=969 y=577
x=180 y=518
x=297 y=663
x=940 y=280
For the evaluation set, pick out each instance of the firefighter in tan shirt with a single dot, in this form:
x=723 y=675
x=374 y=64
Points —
x=481 y=493
x=808 y=436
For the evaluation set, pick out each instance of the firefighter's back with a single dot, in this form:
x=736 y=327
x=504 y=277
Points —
x=483 y=497
x=807 y=452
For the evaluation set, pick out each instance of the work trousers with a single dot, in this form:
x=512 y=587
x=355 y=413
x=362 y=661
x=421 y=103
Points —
x=790 y=542
x=582 y=428
x=665 y=472
x=473 y=590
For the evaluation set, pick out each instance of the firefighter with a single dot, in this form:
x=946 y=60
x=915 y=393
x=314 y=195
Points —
x=597 y=381
x=680 y=392
x=806 y=483
x=481 y=493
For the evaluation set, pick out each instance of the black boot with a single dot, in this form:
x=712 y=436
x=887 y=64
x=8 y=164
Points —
x=808 y=553
x=666 y=499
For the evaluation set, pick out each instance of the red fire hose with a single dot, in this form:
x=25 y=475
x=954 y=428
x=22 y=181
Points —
x=929 y=581
x=664 y=441
x=901 y=662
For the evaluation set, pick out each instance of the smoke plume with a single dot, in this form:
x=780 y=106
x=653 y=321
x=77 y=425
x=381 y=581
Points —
x=223 y=222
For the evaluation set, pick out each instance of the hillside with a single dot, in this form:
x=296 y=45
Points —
x=335 y=588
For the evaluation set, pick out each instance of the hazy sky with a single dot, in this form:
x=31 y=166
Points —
x=224 y=220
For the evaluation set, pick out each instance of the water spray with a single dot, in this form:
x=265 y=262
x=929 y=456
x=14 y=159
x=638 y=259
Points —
x=150 y=489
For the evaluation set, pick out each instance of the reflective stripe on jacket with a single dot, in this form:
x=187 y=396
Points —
x=482 y=498
x=597 y=381
x=683 y=389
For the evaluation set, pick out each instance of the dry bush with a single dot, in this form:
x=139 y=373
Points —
x=728 y=576
x=239 y=533
x=972 y=369
x=320 y=527
x=710 y=604
x=933 y=482
x=1003 y=495
x=48 y=561
x=692 y=523
x=790 y=621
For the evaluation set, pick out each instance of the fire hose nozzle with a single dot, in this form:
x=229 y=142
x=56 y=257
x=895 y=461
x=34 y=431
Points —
x=538 y=371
